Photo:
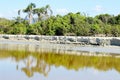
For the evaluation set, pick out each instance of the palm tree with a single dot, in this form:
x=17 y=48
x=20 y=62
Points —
x=29 y=11
x=43 y=12
x=39 y=12
x=19 y=12
x=47 y=10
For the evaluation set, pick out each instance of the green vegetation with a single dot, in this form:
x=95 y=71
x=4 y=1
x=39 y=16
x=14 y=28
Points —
x=44 y=61
x=70 y=24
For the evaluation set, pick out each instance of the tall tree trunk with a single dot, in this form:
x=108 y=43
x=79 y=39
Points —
x=30 y=18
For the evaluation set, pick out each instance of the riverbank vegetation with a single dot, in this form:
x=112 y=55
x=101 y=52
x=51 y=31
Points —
x=45 y=23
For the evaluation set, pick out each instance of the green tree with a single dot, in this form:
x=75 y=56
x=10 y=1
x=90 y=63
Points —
x=18 y=28
x=104 y=17
x=29 y=11
x=95 y=29
x=115 y=30
x=43 y=12
x=117 y=19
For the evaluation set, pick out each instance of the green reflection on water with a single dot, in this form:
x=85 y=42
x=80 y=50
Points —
x=44 y=61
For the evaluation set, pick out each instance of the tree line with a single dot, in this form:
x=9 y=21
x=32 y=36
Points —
x=73 y=24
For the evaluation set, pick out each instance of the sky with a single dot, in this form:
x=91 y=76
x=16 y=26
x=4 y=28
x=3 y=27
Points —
x=9 y=8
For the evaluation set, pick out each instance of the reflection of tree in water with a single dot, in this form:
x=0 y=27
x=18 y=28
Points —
x=40 y=62
x=40 y=67
x=27 y=69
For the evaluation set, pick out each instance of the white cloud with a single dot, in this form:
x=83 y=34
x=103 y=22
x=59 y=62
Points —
x=62 y=11
x=98 y=8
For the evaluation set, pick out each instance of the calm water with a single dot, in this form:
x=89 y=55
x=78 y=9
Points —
x=19 y=63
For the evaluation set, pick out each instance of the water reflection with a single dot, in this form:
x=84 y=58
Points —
x=41 y=62
x=40 y=67
x=35 y=61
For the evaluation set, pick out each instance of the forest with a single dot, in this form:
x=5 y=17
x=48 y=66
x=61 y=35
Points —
x=71 y=24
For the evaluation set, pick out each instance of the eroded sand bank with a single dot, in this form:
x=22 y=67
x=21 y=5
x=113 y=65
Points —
x=43 y=46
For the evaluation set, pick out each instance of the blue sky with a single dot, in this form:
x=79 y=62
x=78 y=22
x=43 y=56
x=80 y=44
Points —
x=9 y=8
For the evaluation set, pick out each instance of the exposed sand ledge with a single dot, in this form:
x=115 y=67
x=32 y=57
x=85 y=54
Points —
x=101 y=41
x=33 y=45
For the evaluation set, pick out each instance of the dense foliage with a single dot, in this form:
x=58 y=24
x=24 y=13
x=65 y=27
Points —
x=69 y=24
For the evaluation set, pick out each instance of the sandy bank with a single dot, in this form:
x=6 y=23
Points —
x=101 y=41
x=33 y=45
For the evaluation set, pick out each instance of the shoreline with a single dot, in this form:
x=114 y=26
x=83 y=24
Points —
x=81 y=40
x=44 y=46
